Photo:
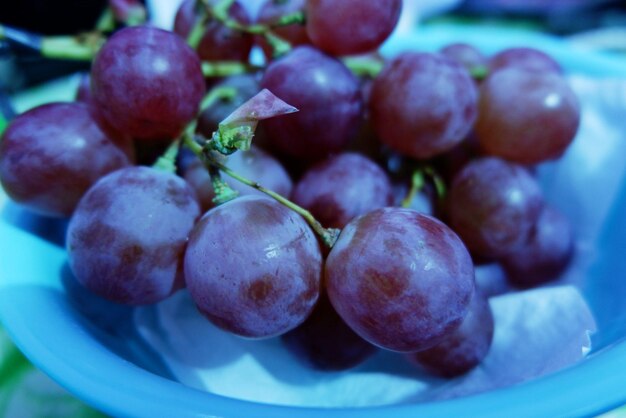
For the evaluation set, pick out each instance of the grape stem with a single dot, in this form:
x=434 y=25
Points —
x=417 y=184
x=167 y=161
x=328 y=235
x=368 y=66
x=226 y=68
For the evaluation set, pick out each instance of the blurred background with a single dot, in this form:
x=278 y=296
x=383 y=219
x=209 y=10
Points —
x=598 y=25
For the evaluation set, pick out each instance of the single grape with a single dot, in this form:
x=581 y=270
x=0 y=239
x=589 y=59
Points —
x=351 y=27
x=253 y=267
x=400 y=279
x=127 y=237
x=342 y=187
x=546 y=254
x=423 y=104
x=327 y=96
x=83 y=91
x=51 y=155
x=527 y=116
x=524 y=58
x=270 y=13
x=493 y=205
x=325 y=341
x=218 y=42
x=147 y=83
x=465 y=55
x=465 y=347
x=254 y=164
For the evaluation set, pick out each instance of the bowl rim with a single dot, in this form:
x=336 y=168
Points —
x=94 y=375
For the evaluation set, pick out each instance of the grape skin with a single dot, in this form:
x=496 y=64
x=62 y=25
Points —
x=147 y=83
x=524 y=58
x=327 y=96
x=400 y=279
x=493 y=205
x=423 y=104
x=51 y=155
x=218 y=43
x=546 y=254
x=466 y=55
x=539 y=127
x=126 y=239
x=350 y=27
x=342 y=187
x=253 y=267
x=465 y=347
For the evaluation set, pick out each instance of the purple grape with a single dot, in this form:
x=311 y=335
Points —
x=325 y=342
x=465 y=55
x=253 y=267
x=400 y=279
x=537 y=126
x=465 y=347
x=51 y=155
x=253 y=164
x=127 y=237
x=545 y=255
x=342 y=187
x=271 y=11
x=423 y=104
x=147 y=83
x=351 y=27
x=83 y=91
x=493 y=205
x=327 y=96
x=524 y=58
x=218 y=42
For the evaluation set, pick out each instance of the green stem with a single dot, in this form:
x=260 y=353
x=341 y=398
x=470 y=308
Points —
x=167 y=161
x=197 y=31
x=328 y=235
x=225 y=68
x=83 y=48
x=106 y=22
x=369 y=67
x=295 y=18
x=440 y=184
x=417 y=184
x=479 y=72
x=217 y=93
x=279 y=46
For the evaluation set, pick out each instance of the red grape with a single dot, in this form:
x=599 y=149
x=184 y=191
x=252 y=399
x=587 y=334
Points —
x=524 y=58
x=271 y=11
x=127 y=237
x=545 y=255
x=349 y=27
x=342 y=187
x=423 y=104
x=253 y=267
x=493 y=205
x=147 y=83
x=51 y=155
x=466 y=55
x=327 y=96
x=526 y=116
x=400 y=279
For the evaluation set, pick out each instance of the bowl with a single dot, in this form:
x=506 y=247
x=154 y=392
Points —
x=92 y=348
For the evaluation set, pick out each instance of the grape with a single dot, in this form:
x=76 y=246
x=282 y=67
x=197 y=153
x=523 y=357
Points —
x=351 y=27
x=253 y=164
x=342 y=187
x=51 y=155
x=525 y=116
x=400 y=279
x=253 y=267
x=423 y=104
x=83 y=92
x=218 y=42
x=493 y=205
x=245 y=86
x=524 y=58
x=465 y=55
x=126 y=239
x=328 y=97
x=147 y=83
x=325 y=342
x=465 y=347
x=545 y=255
x=271 y=11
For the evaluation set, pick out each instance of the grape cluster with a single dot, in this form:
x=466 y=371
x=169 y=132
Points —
x=345 y=267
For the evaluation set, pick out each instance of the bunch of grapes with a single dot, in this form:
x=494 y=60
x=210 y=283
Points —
x=355 y=219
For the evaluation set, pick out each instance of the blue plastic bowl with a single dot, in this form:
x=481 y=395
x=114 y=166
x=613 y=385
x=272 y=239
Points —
x=91 y=348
